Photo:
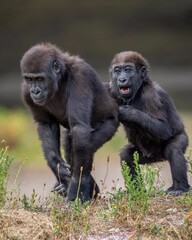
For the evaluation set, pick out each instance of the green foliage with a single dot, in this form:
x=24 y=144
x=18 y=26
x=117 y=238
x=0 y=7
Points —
x=140 y=188
x=33 y=203
x=13 y=125
x=5 y=162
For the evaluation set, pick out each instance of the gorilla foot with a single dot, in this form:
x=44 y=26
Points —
x=85 y=190
x=178 y=190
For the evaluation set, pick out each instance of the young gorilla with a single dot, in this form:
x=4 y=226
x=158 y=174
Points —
x=149 y=117
x=63 y=90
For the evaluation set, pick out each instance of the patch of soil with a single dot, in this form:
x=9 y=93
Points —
x=168 y=217
x=21 y=224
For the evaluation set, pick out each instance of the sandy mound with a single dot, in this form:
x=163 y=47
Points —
x=21 y=224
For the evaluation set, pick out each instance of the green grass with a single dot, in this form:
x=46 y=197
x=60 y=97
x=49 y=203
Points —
x=5 y=162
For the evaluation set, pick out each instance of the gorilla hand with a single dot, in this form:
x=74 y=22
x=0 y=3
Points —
x=64 y=178
x=126 y=113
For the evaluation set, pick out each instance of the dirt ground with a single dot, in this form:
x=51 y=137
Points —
x=165 y=213
x=21 y=224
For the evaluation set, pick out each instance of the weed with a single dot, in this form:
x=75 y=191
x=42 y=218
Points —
x=156 y=229
x=5 y=162
x=141 y=187
x=35 y=203
x=137 y=191
x=186 y=200
x=188 y=156
x=190 y=164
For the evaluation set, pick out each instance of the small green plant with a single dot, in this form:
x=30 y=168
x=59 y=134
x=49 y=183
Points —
x=140 y=188
x=5 y=162
x=34 y=202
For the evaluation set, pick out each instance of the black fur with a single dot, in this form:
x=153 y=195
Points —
x=64 y=91
x=152 y=125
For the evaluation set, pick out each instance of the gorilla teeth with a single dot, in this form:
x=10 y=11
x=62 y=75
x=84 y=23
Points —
x=124 y=90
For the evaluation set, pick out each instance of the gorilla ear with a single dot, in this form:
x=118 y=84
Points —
x=56 y=67
x=143 y=72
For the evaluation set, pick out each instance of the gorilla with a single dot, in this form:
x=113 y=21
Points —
x=62 y=90
x=152 y=125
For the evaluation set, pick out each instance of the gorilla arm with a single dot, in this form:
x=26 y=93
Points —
x=157 y=127
x=49 y=134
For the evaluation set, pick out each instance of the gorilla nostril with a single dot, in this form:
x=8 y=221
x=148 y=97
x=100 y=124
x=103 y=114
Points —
x=36 y=91
x=123 y=80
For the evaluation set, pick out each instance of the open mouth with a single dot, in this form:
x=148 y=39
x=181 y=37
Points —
x=124 y=90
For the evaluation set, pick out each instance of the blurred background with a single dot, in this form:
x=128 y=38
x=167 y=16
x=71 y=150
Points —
x=160 y=30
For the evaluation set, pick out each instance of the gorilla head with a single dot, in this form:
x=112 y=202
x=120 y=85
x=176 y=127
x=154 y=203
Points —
x=42 y=68
x=128 y=72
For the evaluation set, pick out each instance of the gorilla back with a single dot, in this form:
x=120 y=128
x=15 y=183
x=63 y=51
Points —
x=63 y=90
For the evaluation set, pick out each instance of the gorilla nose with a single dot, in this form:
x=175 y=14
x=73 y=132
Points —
x=122 y=80
x=36 y=91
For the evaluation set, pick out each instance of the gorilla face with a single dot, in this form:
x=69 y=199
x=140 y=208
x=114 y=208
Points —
x=39 y=88
x=127 y=79
x=42 y=76
x=123 y=74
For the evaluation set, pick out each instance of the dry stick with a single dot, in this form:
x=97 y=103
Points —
x=58 y=170
x=80 y=177
x=58 y=167
x=17 y=175
x=94 y=187
x=94 y=191
x=106 y=173
x=175 y=230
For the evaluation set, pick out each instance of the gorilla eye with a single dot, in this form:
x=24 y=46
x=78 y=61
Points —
x=56 y=67
x=117 y=70
x=128 y=69
x=28 y=79
x=40 y=79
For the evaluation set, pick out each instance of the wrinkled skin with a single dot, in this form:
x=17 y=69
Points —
x=152 y=125
x=127 y=79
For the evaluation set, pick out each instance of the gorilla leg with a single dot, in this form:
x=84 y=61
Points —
x=103 y=132
x=86 y=141
x=79 y=147
x=174 y=153
x=127 y=155
x=67 y=145
x=82 y=184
